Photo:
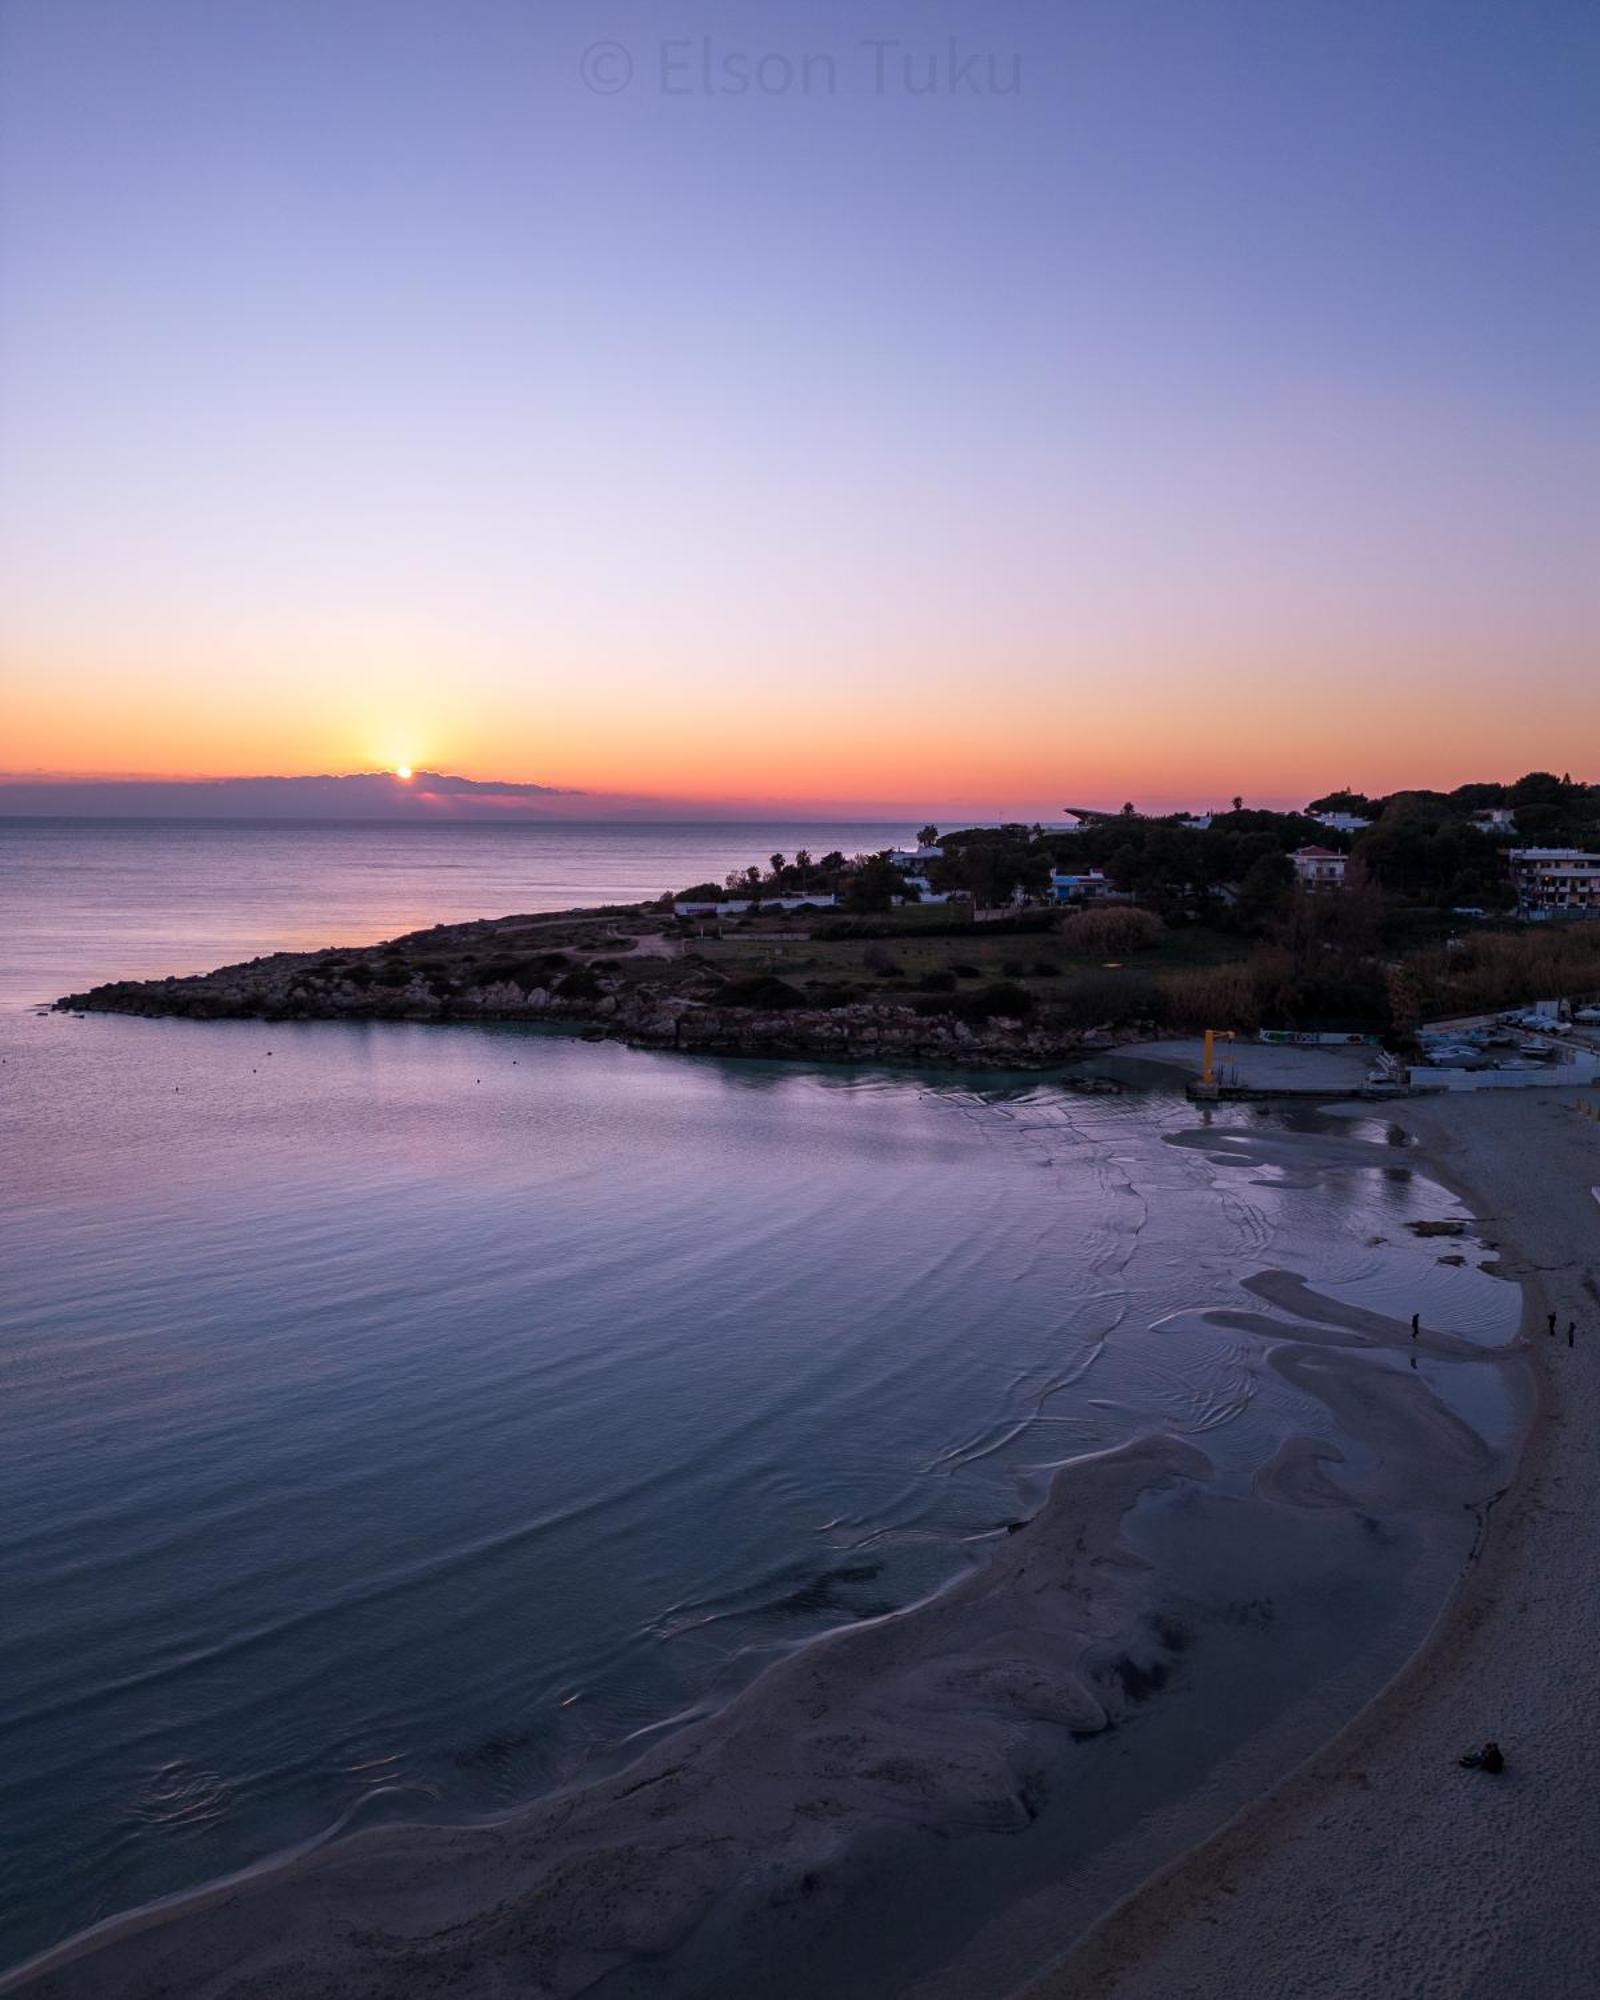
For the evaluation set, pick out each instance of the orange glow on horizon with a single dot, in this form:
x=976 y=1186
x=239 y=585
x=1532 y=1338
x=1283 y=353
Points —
x=1166 y=725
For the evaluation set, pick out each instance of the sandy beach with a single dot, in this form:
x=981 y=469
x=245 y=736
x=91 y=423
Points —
x=1381 y=1867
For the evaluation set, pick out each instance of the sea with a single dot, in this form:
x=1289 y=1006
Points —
x=400 y=1421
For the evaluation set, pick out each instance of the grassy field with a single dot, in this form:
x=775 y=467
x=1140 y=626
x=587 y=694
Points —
x=1038 y=960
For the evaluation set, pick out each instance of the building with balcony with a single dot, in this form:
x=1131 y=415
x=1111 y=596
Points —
x=1555 y=881
x=1318 y=869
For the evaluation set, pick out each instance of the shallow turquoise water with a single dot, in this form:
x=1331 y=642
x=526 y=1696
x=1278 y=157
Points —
x=399 y=1419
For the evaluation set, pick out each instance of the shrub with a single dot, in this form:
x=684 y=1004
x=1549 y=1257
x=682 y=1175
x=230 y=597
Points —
x=966 y=972
x=761 y=989
x=1219 y=996
x=938 y=982
x=1013 y=968
x=1118 y=930
x=1109 y=1000
x=523 y=972
x=1043 y=969
x=1001 y=997
x=578 y=984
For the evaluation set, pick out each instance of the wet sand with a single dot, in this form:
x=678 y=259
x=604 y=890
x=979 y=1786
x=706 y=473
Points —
x=1381 y=1867
x=931 y=1802
x=730 y=1844
x=1293 y=1066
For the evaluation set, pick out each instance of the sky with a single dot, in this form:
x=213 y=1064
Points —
x=870 y=406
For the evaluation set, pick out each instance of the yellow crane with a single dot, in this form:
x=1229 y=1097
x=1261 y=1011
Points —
x=1208 y=1073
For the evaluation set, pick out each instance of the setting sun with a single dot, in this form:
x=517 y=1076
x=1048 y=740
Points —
x=402 y=771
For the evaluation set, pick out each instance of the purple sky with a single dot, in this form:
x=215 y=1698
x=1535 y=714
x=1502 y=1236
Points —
x=378 y=389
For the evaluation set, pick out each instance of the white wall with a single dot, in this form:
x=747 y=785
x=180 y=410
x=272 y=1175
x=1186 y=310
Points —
x=736 y=906
x=1581 y=1071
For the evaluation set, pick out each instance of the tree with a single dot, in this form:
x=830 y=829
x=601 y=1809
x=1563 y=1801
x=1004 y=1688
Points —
x=1265 y=891
x=928 y=836
x=1123 y=866
x=874 y=884
x=1477 y=797
x=992 y=862
x=1404 y=993
x=1355 y=803
x=779 y=863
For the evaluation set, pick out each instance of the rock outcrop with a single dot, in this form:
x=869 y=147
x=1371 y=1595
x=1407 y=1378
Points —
x=675 y=1010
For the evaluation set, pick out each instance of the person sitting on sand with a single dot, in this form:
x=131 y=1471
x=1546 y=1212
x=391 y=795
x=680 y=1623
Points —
x=1489 y=1758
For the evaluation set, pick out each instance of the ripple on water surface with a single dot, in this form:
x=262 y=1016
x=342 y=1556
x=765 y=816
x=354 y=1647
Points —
x=401 y=1420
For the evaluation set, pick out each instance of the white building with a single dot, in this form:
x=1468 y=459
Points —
x=738 y=906
x=1088 y=885
x=1495 y=819
x=1342 y=822
x=1556 y=881
x=927 y=893
x=1318 y=869
x=918 y=858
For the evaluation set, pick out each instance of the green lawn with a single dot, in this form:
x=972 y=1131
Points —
x=1037 y=960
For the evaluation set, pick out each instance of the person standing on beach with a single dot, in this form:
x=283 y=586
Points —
x=1416 y=1325
x=1552 y=1326
x=1572 y=1328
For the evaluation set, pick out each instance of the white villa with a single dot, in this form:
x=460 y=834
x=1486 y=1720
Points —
x=1318 y=869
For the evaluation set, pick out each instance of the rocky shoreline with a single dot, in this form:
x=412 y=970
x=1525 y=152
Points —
x=591 y=973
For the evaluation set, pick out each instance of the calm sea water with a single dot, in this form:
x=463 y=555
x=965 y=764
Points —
x=83 y=901
x=399 y=1420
